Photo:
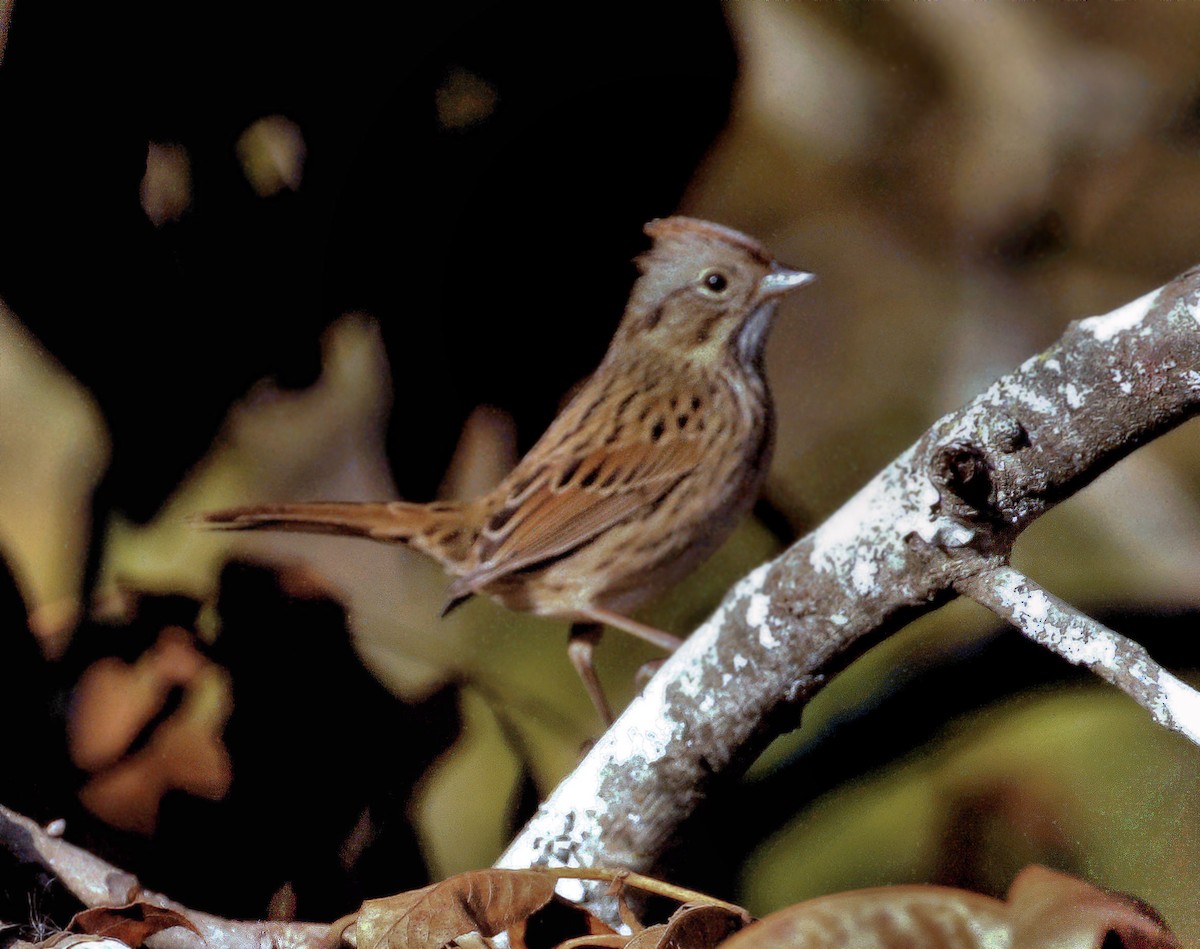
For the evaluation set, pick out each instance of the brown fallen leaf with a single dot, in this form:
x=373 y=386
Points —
x=692 y=926
x=935 y=917
x=702 y=926
x=185 y=752
x=557 y=921
x=484 y=901
x=1044 y=908
x=1050 y=908
x=612 y=941
x=133 y=923
x=649 y=938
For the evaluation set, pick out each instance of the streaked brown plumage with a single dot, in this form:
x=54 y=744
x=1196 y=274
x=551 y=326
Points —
x=640 y=477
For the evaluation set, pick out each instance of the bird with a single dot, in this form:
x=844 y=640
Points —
x=639 y=478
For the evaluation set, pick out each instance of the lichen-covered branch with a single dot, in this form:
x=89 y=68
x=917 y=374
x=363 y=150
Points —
x=948 y=509
x=1079 y=639
x=95 y=882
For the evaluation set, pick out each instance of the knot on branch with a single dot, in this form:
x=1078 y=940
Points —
x=962 y=470
x=968 y=481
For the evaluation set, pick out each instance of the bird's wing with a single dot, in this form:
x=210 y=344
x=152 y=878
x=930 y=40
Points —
x=570 y=499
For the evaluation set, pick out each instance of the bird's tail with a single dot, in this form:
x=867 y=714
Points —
x=439 y=530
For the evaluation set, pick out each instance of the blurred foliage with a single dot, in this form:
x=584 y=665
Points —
x=383 y=233
x=1031 y=778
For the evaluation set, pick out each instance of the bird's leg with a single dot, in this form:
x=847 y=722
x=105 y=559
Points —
x=650 y=634
x=598 y=614
x=581 y=643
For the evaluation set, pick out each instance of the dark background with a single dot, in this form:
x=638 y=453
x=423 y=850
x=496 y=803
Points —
x=489 y=254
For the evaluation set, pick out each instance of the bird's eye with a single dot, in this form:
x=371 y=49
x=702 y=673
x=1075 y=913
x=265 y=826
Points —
x=714 y=282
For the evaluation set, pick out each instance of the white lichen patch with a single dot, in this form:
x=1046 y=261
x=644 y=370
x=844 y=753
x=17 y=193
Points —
x=1118 y=378
x=746 y=588
x=1042 y=620
x=1178 y=706
x=1034 y=400
x=757 y=616
x=1121 y=319
x=690 y=683
x=758 y=610
x=1081 y=641
x=953 y=535
x=856 y=538
x=1037 y=606
x=1073 y=396
x=573 y=891
x=1194 y=308
x=566 y=836
x=862 y=576
x=922 y=521
x=1089 y=647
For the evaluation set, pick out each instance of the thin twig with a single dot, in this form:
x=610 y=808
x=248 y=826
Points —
x=679 y=894
x=94 y=882
x=1081 y=640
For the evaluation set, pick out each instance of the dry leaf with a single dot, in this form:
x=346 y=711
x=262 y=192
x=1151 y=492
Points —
x=484 y=901
x=692 y=926
x=114 y=701
x=649 y=938
x=272 y=152
x=1044 y=908
x=702 y=926
x=935 y=917
x=166 y=190
x=558 y=921
x=185 y=752
x=1051 y=908
x=132 y=924
x=54 y=448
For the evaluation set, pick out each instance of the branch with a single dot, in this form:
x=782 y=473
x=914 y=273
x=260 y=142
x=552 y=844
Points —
x=947 y=510
x=1081 y=640
x=94 y=882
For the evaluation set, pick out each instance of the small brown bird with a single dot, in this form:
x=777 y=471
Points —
x=643 y=474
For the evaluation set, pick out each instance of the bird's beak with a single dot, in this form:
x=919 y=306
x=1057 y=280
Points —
x=783 y=280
